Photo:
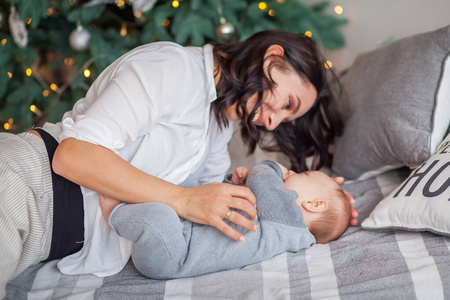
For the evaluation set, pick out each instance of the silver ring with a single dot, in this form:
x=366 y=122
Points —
x=227 y=215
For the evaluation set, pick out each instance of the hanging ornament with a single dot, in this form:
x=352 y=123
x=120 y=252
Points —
x=2 y=18
x=225 y=30
x=79 y=38
x=142 y=6
x=17 y=27
x=98 y=2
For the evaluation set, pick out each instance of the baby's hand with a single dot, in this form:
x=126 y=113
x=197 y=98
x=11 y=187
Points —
x=283 y=169
x=240 y=175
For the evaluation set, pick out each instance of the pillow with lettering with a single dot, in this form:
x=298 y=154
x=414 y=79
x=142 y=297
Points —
x=422 y=201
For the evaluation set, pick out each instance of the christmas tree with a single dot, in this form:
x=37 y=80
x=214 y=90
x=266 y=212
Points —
x=52 y=50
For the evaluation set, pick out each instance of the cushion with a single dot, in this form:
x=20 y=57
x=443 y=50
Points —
x=396 y=104
x=422 y=201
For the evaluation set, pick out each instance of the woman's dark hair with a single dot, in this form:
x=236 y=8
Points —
x=242 y=76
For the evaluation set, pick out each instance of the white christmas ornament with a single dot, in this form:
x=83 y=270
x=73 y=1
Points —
x=17 y=27
x=2 y=18
x=97 y=2
x=140 y=6
x=225 y=30
x=79 y=38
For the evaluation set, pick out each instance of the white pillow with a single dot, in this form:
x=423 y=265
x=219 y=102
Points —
x=422 y=201
x=442 y=109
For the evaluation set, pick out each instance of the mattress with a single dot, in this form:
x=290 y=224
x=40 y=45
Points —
x=361 y=264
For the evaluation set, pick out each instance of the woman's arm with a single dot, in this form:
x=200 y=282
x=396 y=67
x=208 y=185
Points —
x=101 y=170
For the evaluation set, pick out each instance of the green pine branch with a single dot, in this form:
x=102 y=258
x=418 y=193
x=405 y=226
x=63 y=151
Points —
x=193 y=22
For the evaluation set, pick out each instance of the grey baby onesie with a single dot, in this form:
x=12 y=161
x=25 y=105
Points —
x=167 y=246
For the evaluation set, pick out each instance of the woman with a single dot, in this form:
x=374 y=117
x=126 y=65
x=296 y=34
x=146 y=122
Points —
x=158 y=114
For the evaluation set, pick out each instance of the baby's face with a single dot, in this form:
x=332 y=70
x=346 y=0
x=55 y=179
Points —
x=309 y=185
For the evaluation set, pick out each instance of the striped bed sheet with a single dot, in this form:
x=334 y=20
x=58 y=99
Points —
x=361 y=264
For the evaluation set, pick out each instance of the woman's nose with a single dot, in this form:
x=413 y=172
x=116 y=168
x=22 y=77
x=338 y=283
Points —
x=272 y=121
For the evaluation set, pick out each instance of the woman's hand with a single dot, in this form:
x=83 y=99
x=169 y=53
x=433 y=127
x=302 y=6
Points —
x=353 y=221
x=354 y=213
x=211 y=203
x=240 y=175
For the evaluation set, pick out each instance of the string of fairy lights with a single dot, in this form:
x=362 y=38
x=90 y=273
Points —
x=79 y=40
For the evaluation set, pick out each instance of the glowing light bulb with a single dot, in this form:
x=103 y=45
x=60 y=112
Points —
x=308 y=33
x=328 y=64
x=28 y=72
x=272 y=12
x=262 y=5
x=87 y=73
x=166 y=23
x=34 y=109
x=4 y=41
x=7 y=126
x=120 y=3
x=45 y=93
x=175 y=3
x=338 y=9
x=9 y=75
x=123 y=30
x=68 y=61
x=53 y=87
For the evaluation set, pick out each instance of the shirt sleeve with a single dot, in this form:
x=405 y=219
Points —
x=266 y=171
x=275 y=203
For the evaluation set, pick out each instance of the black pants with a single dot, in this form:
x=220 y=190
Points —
x=68 y=211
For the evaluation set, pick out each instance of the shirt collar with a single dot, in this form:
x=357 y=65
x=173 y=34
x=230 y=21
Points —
x=208 y=59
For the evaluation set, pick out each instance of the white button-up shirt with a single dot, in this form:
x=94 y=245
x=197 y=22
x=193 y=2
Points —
x=152 y=108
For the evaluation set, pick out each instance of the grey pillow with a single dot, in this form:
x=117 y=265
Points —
x=396 y=106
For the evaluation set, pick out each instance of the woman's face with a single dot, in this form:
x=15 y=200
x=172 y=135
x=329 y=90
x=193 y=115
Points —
x=291 y=98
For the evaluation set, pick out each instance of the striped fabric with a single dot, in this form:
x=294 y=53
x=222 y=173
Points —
x=26 y=204
x=359 y=265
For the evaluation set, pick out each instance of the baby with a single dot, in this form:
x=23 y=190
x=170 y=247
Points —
x=324 y=204
x=294 y=212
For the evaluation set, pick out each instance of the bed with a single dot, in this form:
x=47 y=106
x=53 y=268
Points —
x=395 y=156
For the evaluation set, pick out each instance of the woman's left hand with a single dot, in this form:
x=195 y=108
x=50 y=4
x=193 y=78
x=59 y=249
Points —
x=353 y=221
x=213 y=203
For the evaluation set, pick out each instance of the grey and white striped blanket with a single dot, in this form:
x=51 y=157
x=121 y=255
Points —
x=359 y=265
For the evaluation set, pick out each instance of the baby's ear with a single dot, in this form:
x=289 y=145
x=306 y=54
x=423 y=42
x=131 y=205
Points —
x=315 y=206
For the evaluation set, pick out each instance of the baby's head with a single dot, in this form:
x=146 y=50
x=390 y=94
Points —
x=326 y=208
